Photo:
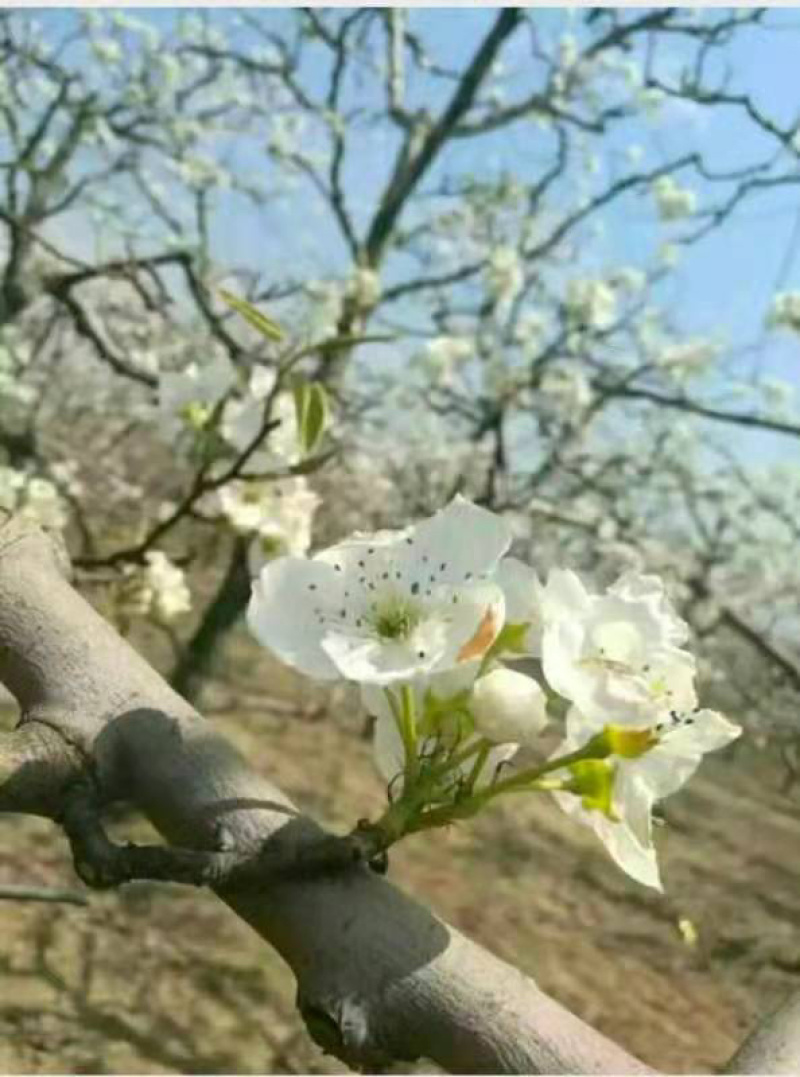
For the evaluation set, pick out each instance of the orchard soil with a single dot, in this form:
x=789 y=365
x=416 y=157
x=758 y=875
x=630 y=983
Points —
x=160 y=979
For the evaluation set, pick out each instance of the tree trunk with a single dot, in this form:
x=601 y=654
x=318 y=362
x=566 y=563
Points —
x=220 y=616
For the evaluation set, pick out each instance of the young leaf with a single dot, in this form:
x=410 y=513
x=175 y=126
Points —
x=266 y=326
x=311 y=408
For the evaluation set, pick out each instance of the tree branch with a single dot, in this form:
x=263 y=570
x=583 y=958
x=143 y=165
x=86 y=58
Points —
x=379 y=977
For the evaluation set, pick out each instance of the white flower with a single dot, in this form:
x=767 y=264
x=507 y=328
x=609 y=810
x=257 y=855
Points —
x=590 y=304
x=365 y=287
x=616 y=656
x=785 y=311
x=673 y=201
x=688 y=356
x=107 y=51
x=446 y=352
x=386 y=607
x=508 y=707
x=279 y=511
x=504 y=275
x=166 y=584
x=651 y=763
x=388 y=746
x=568 y=387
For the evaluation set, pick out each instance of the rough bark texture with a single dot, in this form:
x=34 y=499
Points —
x=379 y=977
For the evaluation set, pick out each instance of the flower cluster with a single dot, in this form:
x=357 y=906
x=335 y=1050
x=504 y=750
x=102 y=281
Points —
x=590 y=304
x=158 y=589
x=785 y=311
x=673 y=202
x=426 y=619
x=276 y=511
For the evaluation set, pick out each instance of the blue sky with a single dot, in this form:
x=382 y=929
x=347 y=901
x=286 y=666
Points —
x=723 y=285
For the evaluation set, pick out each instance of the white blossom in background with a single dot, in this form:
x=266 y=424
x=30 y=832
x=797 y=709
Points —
x=278 y=511
x=388 y=606
x=673 y=202
x=530 y=330
x=365 y=287
x=568 y=388
x=590 y=304
x=784 y=312
x=688 y=357
x=158 y=589
x=107 y=51
x=504 y=275
x=170 y=595
x=32 y=498
x=445 y=353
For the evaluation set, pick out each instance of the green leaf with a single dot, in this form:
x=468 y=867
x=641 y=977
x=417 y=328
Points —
x=266 y=326
x=311 y=408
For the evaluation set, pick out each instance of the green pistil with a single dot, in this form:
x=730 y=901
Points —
x=396 y=620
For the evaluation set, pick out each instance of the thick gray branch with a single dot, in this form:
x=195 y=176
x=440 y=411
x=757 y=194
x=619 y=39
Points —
x=379 y=977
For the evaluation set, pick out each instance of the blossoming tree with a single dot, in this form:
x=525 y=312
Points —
x=177 y=397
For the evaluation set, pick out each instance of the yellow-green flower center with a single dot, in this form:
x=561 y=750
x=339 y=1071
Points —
x=395 y=619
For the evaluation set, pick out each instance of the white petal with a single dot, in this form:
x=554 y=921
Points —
x=472 y=622
x=368 y=660
x=458 y=544
x=283 y=616
x=522 y=589
x=634 y=859
x=563 y=595
x=633 y=802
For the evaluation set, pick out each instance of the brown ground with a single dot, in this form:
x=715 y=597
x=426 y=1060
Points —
x=164 y=980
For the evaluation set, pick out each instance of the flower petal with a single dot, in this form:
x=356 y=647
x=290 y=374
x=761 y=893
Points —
x=458 y=544
x=522 y=589
x=289 y=609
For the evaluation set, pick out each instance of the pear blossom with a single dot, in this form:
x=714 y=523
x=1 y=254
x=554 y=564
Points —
x=617 y=654
x=508 y=707
x=365 y=287
x=443 y=734
x=688 y=356
x=590 y=304
x=673 y=201
x=278 y=511
x=615 y=795
x=567 y=386
x=32 y=498
x=159 y=588
x=785 y=312
x=386 y=607
x=504 y=275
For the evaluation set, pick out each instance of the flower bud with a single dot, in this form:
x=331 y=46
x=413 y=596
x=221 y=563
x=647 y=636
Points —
x=508 y=707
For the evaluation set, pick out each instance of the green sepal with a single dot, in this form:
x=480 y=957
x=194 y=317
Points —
x=593 y=781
